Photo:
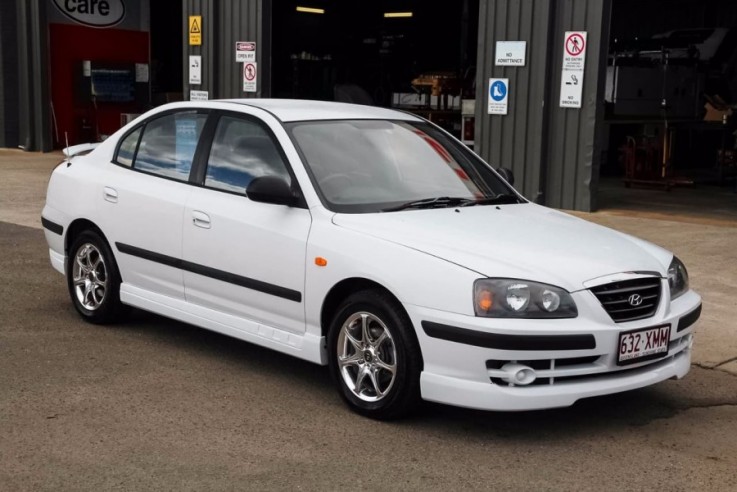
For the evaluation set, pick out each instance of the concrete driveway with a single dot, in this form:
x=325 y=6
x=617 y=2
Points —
x=155 y=404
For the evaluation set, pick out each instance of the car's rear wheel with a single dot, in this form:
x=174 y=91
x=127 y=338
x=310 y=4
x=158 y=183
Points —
x=374 y=356
x=93 y=279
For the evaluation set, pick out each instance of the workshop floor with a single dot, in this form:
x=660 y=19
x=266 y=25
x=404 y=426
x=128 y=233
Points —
x=701 y=203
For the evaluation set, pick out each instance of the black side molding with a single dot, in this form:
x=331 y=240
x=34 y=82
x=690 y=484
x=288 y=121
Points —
x=689 y=319
x=231 y=278
x=509 y=342
x=52 y=226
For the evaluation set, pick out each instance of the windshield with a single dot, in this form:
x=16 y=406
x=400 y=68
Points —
x=360 y=166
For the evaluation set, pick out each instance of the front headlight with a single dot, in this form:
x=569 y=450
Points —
x=510 y=298
x=677 y=278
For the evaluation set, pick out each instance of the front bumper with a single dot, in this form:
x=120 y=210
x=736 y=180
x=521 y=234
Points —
x=573 y=358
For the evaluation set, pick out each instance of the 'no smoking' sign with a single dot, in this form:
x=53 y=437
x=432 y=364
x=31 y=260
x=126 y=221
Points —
x=249 y=77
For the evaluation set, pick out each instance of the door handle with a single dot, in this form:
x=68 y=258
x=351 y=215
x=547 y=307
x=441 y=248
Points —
x=200 y=219
x=110 y=194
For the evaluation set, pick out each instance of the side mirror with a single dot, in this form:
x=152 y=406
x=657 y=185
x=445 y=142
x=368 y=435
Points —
x=271 y=189
x=507 y=174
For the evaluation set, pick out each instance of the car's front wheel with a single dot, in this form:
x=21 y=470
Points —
x=93 y=279
x=374 y=356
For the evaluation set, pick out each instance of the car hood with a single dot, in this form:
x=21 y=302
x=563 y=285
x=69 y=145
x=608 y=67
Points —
x=523 y=241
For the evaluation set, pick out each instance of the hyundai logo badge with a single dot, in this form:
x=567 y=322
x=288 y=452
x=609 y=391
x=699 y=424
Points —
x=635 y=300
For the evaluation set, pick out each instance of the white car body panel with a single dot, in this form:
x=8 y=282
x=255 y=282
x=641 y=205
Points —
x=148 y=214
x=79 y=149
x=256 y=250
x=514 y=241
x=305 y=346
x=427 y=259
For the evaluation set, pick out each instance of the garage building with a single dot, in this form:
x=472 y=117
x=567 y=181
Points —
x=599 y=94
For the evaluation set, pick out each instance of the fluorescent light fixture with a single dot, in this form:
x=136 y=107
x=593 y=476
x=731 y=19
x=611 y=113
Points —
x=310 y=10
x=390 y=15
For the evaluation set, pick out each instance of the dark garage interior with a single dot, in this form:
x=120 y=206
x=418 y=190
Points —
x=671 y=91
x=405 y=54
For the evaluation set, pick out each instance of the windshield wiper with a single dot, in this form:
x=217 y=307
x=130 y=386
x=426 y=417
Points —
x=437 y=202
x=503 y=199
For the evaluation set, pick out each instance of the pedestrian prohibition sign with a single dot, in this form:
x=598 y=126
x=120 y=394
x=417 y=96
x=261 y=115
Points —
x=575 y=44
x=249 y=77
x=498 y=96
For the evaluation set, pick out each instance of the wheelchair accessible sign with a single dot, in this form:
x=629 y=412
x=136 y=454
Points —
x=498 y=96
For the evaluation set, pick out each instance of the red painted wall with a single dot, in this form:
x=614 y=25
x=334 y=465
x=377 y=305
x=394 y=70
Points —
x=70 y=45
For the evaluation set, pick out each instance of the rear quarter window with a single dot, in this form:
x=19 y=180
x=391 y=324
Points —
x=127 y=150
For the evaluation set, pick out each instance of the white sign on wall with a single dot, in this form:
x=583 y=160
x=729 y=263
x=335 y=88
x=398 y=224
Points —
x=195 y=69
x=574 y=59
x=198 y=95
x=249 y=77
x=142 y=72
x=498 y=96
x=245 y=51
x=510 y=53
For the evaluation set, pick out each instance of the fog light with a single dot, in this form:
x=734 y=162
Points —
x=518 y=374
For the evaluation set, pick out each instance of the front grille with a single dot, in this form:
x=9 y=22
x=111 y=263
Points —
x=615 y=298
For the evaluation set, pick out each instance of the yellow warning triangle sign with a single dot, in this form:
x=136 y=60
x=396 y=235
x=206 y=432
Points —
x=195 y=27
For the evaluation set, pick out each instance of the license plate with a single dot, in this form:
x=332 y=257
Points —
x=643 y=344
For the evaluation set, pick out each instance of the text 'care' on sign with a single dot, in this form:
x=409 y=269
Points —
x=94 y=13
x=498 y=96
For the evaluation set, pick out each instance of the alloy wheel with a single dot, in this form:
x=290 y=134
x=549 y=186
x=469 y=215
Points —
x=89 y=277
x=367 y=356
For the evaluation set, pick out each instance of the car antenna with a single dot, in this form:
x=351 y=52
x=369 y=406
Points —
x=66 y=150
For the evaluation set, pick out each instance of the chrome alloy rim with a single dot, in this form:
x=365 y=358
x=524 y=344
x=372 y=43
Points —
x=367 y=357
x=89 y=277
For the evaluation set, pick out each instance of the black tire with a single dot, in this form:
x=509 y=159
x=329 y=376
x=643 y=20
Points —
x=89 y=244
x=402 y=394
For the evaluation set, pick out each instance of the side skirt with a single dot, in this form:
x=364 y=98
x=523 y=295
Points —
x=308 y=347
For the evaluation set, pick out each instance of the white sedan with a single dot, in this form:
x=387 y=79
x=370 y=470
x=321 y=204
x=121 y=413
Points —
x=371 y=241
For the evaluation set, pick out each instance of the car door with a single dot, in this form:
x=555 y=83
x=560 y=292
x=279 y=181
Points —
x=143 y=198
x=245 y=258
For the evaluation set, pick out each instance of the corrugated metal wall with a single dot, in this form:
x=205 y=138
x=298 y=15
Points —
x=224 y=23
x=550 y=149
x=8 y=75
x=515 y=140
x=574 y=139
x=34 y=125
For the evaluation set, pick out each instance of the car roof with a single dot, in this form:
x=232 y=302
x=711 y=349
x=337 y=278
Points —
x=306 y=110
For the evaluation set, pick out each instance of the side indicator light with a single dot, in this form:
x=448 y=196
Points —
x=485 y=300
x=320 y=261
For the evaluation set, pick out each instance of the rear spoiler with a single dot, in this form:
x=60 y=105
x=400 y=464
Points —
x=79 y=149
